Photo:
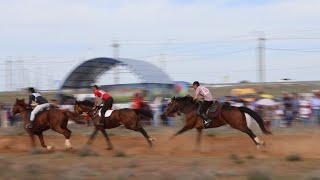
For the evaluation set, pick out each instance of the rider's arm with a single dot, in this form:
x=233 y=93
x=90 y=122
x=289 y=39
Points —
x=196 y=94
x=96 y=101
x=30 y=101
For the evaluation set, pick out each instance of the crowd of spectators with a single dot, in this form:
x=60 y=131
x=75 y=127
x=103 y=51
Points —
x=289 y=109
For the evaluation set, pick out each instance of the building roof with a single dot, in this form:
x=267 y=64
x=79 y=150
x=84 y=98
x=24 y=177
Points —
x=85 y=75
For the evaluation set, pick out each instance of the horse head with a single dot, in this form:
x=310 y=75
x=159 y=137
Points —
x=83 y=107
x=19 y=106
x=177 y=104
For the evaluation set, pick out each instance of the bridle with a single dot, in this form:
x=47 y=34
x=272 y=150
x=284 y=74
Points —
x=81 y=110
x=25 y=109
x=175 y=109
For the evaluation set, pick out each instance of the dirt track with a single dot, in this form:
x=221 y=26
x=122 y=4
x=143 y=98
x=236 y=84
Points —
x=223 y=155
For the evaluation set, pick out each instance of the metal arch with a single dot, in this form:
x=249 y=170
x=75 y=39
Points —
x=85 y=74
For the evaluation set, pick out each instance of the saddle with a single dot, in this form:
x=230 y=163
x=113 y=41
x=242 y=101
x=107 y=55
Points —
x=40 y=112
x=52 y=106
x=214 y=110
x=107 y=114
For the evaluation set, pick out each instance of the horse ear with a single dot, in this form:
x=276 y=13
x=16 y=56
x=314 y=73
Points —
x=173 y=98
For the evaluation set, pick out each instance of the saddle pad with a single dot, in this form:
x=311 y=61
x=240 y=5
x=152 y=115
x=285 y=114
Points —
x=214 y=111
x=107 y=114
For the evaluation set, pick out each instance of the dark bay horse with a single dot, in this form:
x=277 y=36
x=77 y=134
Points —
x=130 y=118
x=234 y=116
x=55 y=119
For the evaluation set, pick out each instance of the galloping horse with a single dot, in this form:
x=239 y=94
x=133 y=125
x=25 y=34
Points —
x=234 y=116
x=55 y=119
x=130 y=118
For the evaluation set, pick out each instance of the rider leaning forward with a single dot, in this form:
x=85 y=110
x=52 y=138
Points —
x=107 y=101
x=201 y=91
x=42 y=103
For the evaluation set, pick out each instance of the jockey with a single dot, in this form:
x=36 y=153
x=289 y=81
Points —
x=107 y=102
x=208 y=101
x=42 y=104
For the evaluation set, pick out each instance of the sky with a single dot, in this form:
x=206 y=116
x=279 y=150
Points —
x=212 y=41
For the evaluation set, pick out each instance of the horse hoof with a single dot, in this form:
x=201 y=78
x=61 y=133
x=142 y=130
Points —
x=109 y=148
x=50 y=148
x=152 y=139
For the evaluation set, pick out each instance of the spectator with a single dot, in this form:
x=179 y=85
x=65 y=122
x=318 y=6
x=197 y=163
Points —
x=315 y=106
x=278 y=116
x=137 y=101
x=288 y=108
x=165 y=119
x=305 y=111
x=295 y=105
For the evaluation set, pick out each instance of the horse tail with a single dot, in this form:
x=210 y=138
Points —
x=256 y=117
x=72 y=116
x=144 y=112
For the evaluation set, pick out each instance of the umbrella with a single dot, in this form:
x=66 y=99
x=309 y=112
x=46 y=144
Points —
x=266 y=96
x=266 y=102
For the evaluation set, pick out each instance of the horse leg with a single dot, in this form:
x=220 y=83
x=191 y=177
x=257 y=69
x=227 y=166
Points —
x=40 y=136
x=145 y=134
x=104 y=132
x=184 y=129
x=67 y=143
x=199 y=137
x=255 y=139
x=92 y=136
x=33 y=144
x=66 y=133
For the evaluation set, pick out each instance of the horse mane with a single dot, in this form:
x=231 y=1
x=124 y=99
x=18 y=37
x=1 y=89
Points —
x=21 y=103
x=85 y=103
x=186 y=99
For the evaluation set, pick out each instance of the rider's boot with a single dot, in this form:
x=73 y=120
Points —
x=30 y=125
x=102 y=122
x=205 y=119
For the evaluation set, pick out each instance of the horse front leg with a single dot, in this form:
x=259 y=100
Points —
x=190 y=123
x=40 y=136
x=104 y=132
x=184 y=129
x=92 y=136
x=33 y=144
x=199 y=136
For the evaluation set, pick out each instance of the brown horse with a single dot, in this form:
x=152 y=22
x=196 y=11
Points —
x=55 y=119
x=234 y=116
x=130 y=118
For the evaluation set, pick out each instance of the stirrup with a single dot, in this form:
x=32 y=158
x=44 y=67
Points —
x=100 y=124
x=206 y=122
x=28 y=126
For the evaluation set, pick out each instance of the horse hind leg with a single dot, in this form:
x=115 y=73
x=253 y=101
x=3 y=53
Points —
x=255 y=139
x=66 y=133
x=40 y=136
x=145 y=134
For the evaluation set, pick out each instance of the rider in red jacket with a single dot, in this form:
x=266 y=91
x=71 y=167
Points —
x=107 y=102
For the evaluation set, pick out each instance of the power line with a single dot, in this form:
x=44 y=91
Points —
x=293 y=50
